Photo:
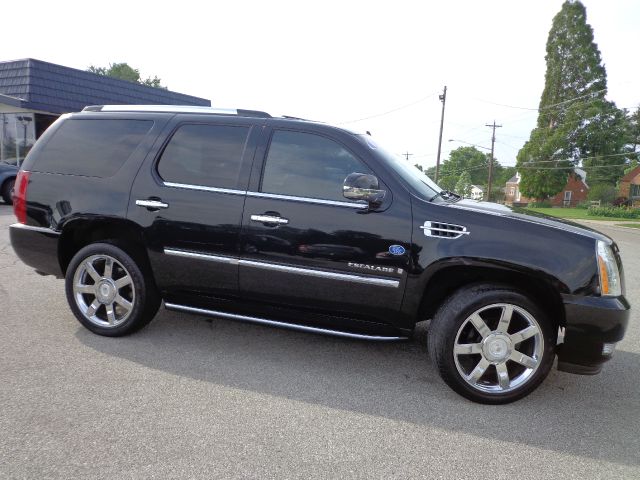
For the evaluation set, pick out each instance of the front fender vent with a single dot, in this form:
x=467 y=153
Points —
x=444 y=230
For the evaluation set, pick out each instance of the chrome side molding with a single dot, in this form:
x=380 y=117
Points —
x=279 y=324
x=348 y=277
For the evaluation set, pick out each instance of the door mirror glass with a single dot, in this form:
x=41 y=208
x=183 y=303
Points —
x=363 y=186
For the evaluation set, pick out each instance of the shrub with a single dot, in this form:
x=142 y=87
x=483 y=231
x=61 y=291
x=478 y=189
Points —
x=583 y=205
x=602 y=191
x=619 y=212
x=618 y=202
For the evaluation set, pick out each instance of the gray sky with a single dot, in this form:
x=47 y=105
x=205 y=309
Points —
x=340 y=61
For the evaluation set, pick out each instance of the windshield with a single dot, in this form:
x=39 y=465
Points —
x=420 y=182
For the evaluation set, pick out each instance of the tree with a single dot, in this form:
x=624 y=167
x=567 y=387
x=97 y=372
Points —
x=125 y=72
x=632 y=146
x=576 y=124
x=464 y=159
x=463 y=186
x=473 y=161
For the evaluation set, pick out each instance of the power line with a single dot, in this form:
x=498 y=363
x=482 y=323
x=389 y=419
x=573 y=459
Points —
x=546 y=107
x=582 y=167
x=583 y=158
x=390 y=111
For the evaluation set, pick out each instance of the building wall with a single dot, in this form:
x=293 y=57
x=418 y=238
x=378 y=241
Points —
x=513 y=195
x=625 y=185
x=578 y=189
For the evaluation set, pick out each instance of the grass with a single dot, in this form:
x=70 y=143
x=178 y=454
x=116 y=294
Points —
x=631 y=225
x=574 y=214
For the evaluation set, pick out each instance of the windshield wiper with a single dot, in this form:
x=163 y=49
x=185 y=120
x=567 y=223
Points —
x=447 y=196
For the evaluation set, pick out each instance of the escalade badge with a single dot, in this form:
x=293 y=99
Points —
x=396 y=250
x=375 y=268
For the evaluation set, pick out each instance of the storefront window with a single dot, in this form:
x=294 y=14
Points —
x=17 y=136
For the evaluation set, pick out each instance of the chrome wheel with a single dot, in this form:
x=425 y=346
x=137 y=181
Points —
x=498 y=348
x=103 y=291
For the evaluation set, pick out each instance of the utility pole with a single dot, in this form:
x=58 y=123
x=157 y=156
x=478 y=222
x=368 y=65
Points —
x=406 y=155
x=493 y=141
x=443 y=99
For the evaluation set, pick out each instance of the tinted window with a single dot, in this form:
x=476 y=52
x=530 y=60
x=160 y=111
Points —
x=307 y=165
x=94 y=148
x=209 y=155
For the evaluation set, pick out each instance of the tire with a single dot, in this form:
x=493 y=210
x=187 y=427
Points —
x=7 y=191
x=112 y=301
x=491 y=344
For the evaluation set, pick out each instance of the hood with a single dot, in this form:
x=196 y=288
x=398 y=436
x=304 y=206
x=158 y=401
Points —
x=521 y=214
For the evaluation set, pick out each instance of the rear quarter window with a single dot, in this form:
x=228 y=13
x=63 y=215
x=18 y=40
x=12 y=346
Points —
x=90 y=147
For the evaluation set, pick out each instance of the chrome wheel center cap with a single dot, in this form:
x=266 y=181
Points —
x=497 y=347
x=105 y=291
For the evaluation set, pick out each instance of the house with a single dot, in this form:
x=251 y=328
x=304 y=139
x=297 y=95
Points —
x=34 y=93
x=512 y=195
x=630 y=186
x=477 y=193
x=574 y=192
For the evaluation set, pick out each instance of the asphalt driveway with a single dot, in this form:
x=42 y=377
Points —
x=193 y=397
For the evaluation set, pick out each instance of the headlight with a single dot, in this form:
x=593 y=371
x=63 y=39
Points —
x=610 y=284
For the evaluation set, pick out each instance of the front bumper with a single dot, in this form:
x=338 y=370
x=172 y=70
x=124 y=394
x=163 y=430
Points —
x=37 y=247
x=591 y=322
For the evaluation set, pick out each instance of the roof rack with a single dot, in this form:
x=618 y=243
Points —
x=175 y=109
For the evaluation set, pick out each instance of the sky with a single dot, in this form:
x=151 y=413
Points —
x=363 y=65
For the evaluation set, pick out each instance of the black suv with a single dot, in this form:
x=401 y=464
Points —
x=298 y=224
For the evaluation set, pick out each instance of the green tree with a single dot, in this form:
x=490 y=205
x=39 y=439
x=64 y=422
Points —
x=604 y=192
x=473 y=161
x=464 y=159
x=124 y=71
x=463 y=185
x=576 y=124
x=632 y=146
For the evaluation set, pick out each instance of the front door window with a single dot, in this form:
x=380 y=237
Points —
x=307 y=165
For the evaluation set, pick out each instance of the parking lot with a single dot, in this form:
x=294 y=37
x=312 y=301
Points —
x=193 y=397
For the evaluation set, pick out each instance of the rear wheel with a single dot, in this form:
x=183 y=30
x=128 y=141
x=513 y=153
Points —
x=492 y=344
x=7 y=190
x=108 y=291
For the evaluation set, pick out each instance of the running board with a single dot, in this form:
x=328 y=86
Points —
x=275 y=323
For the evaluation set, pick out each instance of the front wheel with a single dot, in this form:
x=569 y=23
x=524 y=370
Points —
x=491 y=344
x=109 y=293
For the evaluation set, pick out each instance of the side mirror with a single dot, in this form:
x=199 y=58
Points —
x=362 y=186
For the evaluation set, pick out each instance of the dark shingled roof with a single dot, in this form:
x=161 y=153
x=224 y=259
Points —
x=47 y=87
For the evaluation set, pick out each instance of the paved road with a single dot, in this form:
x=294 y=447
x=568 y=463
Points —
x=188 y=397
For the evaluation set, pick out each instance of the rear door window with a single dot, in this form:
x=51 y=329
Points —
x=91 y=147
x=205 y=155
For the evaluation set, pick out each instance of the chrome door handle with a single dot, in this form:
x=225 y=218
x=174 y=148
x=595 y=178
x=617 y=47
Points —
x=269 y=219
x=157 y=204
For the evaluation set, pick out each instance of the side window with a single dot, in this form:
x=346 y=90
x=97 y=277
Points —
x=307 y=165
x=207 y=155
x=90 y=147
